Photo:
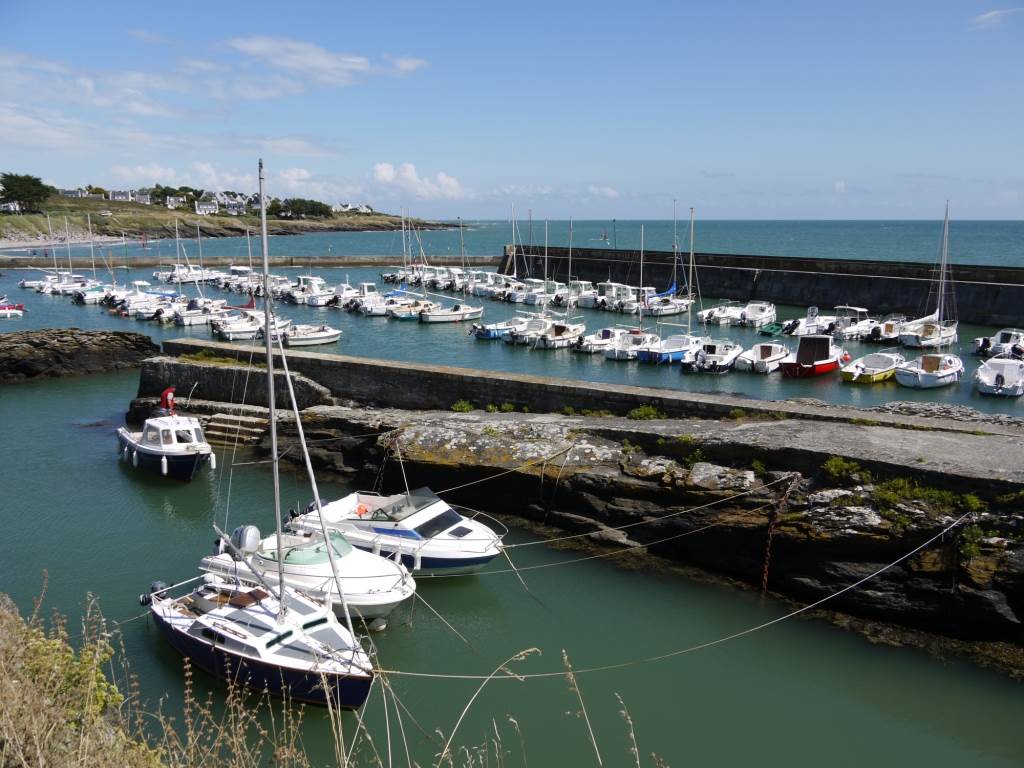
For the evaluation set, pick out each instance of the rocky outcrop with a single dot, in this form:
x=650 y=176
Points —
x=673 y=488
x=51 y=352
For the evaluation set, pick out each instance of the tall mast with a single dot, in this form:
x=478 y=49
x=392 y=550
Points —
x=462 y=253
x=268 y=333
x=675 y=243
x=640 y=293
x=514 y=272
x=67 y=242
x=689 y=278
x=53 y=244
x=92 y=250
x=248 y=246
x=199 y=239
x=569 y=280
x=944 y=255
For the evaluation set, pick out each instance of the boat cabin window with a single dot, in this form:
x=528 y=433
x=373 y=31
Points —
x=439 y=523
x=183 y=435
x=1005 y=337
x=152 y=435
x=165 y=437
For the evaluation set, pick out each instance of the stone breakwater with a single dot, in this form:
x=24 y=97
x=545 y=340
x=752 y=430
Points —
x=52 y=352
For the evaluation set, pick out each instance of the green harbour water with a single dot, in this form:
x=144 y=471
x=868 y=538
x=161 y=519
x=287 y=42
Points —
x=801 y=693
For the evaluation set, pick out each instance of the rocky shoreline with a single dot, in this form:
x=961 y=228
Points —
x=54 y=352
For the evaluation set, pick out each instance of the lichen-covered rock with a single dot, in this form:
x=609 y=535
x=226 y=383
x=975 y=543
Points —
x=53 y=352
x=715 y=478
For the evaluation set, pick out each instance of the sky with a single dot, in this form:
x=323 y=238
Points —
x=795 y=110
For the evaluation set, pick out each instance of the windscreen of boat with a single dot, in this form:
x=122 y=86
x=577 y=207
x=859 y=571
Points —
x=439 y=523
x=1005 y=337
x=406 y=505
x=183 y=435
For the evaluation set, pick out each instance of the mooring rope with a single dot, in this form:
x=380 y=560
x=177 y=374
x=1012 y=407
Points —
x=709 y=643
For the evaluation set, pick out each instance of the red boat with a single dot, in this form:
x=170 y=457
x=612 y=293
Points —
x=815 y=356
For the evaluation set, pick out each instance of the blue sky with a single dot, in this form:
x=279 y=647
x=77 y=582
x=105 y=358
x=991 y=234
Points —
x=590 y=109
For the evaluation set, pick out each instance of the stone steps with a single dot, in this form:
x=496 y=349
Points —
x=229 y=429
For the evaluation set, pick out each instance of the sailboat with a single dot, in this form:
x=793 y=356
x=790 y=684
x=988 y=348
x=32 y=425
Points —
x=938 y=330
x=457 y=312
x=267 y=637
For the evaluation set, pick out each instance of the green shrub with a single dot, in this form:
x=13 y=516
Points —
x=760 y=470
x=645 y=413
x=737 y=413
x=492 y=408
x=600 y=412
x=970 y=539
x=891 y=493
x=462 y=406
x=569 y=411
x=695 y=456
x=840 y=470
x=506 y=408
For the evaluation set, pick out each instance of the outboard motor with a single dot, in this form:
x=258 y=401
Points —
x=876 y=333
x=154 y=587
x=193 y=304
x=245 y=539
x=1017 y=351
x=791 y=326
x=986 y=344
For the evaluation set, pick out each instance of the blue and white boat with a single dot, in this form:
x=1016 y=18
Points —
x=428 y=535
x=677 y=348
x=171 y=445
x=491 y=331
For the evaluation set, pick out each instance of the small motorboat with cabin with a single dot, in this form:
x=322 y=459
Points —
x=853 y=322
x=665 y=306
x=725 y=313
x=599 y=341
x=412 y=310
x=757 y=314
x=310 y=335
x=628 y=345
x=560 y=335
x=1009 y=341
x=535 y=326
x=372 y=586
x=454 y=314
x=930 y=371
x=287 y=644
x=607 y=296
x=173 y=446
x=677 y=348
x=499 y=330
x=887 y=331
x=638 y=300
x=1002 y=376
x=815 y=355
x=716 y=356
x=765 y=357
x=873 y=368
x=418 y=527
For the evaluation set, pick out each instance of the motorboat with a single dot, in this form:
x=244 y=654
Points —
x=715 y=356
x=853 y=322
x=454 y=314
x=726 y=313
x=287 y=644
x=873 y=368
x=200 y=312
x=94 y=294
x=677 y=348
x=8 y=311
x=930 y=371
x=308 y=286
x=499 y=330
x=887 y=331
x=570 y=295
x=765 y=357
x=757 y=314
x=560 y=335
x=1008 y=341
x=628 y=345
x=412 y=310
x=545 y=293
x=171 y=445
x=607 y=296
x=372 y=585
x=810 y=325
x=418 y=527
x=599 y=341
x=310 y=335
x=1002 y=375
x=241 y=327
x=664 y=306
x=535 y=326
x=815 y=355
x=367 y=293
x=382 y=305
x=638 y=300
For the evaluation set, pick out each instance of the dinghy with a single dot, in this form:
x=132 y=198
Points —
x=454 y=314
x=310 y=335
x=873 y=368
x=930 y=371
x=1002 y=376
x=173 y=446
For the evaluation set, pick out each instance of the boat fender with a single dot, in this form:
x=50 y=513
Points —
x=1000 y=380
x=361 y=510
x=846 y=357
x=417 y=561
x=213 y=460
x=163 y=465
x=376 y=546
x=135 y=458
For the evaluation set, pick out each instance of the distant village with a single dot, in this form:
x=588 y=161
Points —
x=204 y=204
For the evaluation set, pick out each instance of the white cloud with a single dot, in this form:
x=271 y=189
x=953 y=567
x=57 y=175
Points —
x=202 y=65
x=145 y=174
x=603 y=191
x=305 y=59
x=405 y=178
x=994 y=18
x=405 y=66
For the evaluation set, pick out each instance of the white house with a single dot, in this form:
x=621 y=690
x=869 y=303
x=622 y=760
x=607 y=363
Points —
x=73 y=193
x=207 y=208
x=122 y=195
x=12 y=207
x=143 y=197
x=175 y=201
x=235 y=207
x=352 y=208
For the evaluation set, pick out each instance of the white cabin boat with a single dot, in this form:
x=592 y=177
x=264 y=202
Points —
x=173 y=446
x=560 y=335
x=715 y=356
x=1009 y=341
x=853 y=322
x=599 y=341
x=810 y=325
x=310 y=335
x=1002 y=376
x=454 y=314
x=628 y=345
x=757 y=314
x=765 y=357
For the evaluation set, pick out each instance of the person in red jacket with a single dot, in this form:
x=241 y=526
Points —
x=167 y=400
